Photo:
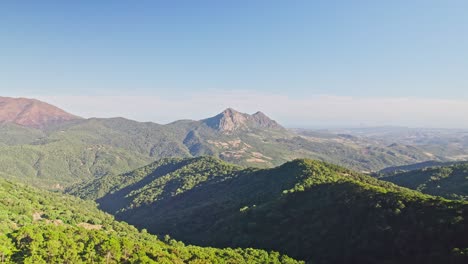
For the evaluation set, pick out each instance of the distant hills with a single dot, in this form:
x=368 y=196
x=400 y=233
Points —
x=446 y=180
x=451 y=144
x=55 y=149
x=307 y=209
x=31 y=113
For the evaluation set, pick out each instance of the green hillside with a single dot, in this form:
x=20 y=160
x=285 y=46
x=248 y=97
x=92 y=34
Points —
x=411 y=167
x=307 y=209
x=42 y=227
x=85 y=149
x=12 y=134
x=59 y=163
x=450 y=181
x=77 y=150
x=160 y=179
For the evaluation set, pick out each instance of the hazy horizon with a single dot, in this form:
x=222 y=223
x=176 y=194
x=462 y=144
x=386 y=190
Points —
x=154 y=109
x=305 y=64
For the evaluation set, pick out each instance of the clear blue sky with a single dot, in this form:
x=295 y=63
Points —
x=351 y=48
x=298 y=50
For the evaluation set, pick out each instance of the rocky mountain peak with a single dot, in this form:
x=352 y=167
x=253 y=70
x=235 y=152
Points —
x=263 y=120
x=231 y=120
x=230 y=111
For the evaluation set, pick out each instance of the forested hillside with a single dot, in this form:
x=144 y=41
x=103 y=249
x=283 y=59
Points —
x=307 y=209
x=158 y=180
x=450 y=181
x=412 y=167
x=42 y=227
x=61 y=154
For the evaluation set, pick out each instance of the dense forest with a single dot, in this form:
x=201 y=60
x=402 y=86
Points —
x=307 y=209
x=450 y=181
x=41 y=227
x=77 y=150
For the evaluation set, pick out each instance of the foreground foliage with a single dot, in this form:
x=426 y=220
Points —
x=304 y=208
x=42 y=227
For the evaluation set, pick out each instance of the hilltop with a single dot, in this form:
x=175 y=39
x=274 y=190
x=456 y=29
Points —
x=31 y=113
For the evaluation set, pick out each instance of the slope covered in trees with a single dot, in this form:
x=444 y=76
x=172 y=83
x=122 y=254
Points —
x=42 y=227
x=76 y=150
x=161 y=179
x=306 y=209
x=411 y=167
x=447 y=181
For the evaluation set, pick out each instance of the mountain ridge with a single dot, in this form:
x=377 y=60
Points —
x=230 y=120
x=31 y=112
x=94 y=147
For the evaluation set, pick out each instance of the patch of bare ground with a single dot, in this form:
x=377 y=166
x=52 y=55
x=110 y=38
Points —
x=256 y=160
x=89 y=226
x=37 y=216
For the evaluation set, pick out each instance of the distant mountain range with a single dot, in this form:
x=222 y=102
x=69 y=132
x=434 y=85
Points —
x=54 y=148
x=308 y=209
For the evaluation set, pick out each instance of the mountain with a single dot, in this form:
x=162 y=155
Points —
x=450 y=181
x=231 y=121
x=59 y=154
x=307 y=209
x=31 y=113
x=37 y=226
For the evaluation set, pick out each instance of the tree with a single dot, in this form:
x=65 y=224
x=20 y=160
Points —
x=6 y=248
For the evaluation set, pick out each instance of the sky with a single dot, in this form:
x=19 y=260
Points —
x=304 y=63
